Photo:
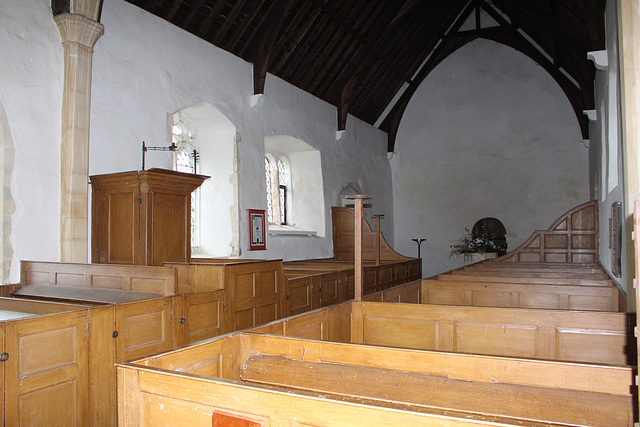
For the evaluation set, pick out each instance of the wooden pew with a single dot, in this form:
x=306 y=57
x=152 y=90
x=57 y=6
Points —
x=104 y=276
x=46 y=363
x=286 y=380
x=505 y=277
x=124 y=322
x=590 y=337
x=522 y=295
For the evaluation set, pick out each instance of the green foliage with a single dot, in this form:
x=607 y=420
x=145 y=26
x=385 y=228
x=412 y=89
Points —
x=481 y=243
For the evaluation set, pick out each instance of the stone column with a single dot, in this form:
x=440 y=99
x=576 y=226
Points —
x=79 y=35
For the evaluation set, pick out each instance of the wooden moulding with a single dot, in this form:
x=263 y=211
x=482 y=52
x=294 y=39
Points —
x=281 y=379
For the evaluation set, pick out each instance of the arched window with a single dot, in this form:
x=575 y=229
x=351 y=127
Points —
x=294 y=186
x=277 y=178
x=185 y=160
x=284 y=178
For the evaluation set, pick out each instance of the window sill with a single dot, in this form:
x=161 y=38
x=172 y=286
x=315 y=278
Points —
x=287 y=230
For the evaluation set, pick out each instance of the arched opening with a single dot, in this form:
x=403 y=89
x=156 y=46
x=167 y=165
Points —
x=295 y=192
x=491 y=229
x=213 y=136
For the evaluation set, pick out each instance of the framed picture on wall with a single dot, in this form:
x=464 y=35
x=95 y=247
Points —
x=257 y=230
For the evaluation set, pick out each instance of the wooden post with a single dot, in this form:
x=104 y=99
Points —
x=357 y=244
x=378 y=217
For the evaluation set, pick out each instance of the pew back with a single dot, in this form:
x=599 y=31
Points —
x=504 y=294
x=282 y=379
x=159 y=280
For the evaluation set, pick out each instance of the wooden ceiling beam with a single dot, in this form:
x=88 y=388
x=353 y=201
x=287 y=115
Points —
x=447 y=46
x=203 y=31
x=348 y=89
x=301 y=30
x=392 y=122
x=592 y=12
x=263 y=42
x=247 y=25
x=171 y=13
x=229 y=19
x=192 y=14
x=340 y=57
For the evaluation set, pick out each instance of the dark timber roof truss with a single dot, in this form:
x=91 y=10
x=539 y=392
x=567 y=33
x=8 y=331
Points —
x=367 y=57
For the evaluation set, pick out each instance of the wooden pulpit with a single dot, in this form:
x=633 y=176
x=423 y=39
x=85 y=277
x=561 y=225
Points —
x=142 y=217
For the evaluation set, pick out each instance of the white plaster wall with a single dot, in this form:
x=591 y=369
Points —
x=31 y=78
x=487 y=134
x=605 y=143
x=145 y=68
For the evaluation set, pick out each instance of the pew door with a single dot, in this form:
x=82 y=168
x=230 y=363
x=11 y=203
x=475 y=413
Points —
x=204 y=316
x=46 y=373
x=144 y=328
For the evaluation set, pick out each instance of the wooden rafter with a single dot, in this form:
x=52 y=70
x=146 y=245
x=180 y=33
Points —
x=263 y=42
x=357 y=54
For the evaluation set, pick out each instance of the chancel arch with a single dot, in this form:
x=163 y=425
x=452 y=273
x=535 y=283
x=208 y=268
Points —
x=213 y=136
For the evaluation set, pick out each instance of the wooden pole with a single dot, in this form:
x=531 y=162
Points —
x=357 y=244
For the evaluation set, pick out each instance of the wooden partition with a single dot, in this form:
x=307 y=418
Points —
x=289 y=381
x=552 y=334
x=572 y=238
x=343 y=238
x=505 y=294
x=44 y=375
x=116 y=277
x=540 y=334
x=506 y=276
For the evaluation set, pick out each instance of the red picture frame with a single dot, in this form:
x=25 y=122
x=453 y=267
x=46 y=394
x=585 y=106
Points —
x=257 y=230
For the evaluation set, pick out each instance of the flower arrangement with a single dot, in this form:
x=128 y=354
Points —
x=481 y=243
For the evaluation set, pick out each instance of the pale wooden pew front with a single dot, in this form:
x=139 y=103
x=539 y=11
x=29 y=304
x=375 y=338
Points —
x=46 y=365
x=589 y=337
x=103 y=276
x=284 y=380
x=505 y=294
x=455 y=276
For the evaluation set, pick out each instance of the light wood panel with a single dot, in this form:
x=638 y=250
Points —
x=541 y=334
x=204 y=316
x=142 y=217
x=116 y=277
x=303 y=368
x=487 y=294
x=144 y=328
x=572 y=238
x=343 y=238
x=256 y=294
x=512 y=278
x=508 y=400
x=46 y=374
x=590 y=337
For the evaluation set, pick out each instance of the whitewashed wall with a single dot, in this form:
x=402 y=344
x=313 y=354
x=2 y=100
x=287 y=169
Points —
x=31 y=76
x=605 y=142
x=488 y=134
x=143 y=69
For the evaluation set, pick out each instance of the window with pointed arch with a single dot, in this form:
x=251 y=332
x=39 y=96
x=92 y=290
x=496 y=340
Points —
x=185 y=160
x=277 y=179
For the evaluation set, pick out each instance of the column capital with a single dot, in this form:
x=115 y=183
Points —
x=75 y=28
